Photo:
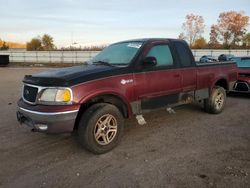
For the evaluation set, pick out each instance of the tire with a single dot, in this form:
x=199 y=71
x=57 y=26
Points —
x=216 y=102
x=101 y=128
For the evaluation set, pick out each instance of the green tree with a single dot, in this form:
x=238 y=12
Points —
x=34 y=44
x=41 y=43
x=246 y=41
x=47 y=42
x=4 y=46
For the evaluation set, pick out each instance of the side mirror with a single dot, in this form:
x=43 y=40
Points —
x=149 y=61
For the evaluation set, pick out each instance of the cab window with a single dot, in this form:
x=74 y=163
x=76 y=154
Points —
x=162 y=54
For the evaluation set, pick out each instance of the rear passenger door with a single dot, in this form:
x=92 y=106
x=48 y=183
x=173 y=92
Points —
x=188 y=69
x=159 y=85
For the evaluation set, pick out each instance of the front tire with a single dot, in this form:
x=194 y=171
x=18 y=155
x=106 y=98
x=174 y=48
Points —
x=101 y=128
x=216 y=102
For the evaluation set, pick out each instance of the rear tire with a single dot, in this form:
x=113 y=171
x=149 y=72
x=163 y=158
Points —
x=216 y=102
x=101 y=128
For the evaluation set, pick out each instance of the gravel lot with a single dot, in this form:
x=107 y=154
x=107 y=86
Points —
x=187 y=149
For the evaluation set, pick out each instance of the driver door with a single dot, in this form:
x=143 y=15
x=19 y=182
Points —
x=159 y=85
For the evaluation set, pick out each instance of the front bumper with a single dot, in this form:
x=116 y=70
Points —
x=241 y=87
x=47 y=122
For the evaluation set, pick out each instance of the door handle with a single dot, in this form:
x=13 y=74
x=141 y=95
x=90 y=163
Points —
x=176 y=75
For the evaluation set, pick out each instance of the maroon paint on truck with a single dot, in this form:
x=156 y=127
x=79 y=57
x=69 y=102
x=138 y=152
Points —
x=110 y=85
x=188 y=79
x=208 y=76
x=244 y=78
x=157 y=83
x=153 y=83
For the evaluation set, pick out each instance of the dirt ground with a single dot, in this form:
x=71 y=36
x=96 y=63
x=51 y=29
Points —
x=187 y=149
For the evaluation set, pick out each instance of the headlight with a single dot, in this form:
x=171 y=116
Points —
x=55 y=95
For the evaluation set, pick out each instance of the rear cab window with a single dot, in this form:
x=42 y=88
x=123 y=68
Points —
x=184 y=54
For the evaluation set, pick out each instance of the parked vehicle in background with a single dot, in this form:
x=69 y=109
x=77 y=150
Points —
x=243 y=83
x=207 y=59
x=225 y=57
x=4 y=60
x=126 y=79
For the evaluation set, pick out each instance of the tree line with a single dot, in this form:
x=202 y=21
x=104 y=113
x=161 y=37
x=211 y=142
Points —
x=46 y=43
x=3 y=45
x=229 y=32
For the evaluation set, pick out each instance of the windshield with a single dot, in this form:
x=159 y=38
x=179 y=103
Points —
x=117 y=54
x=243 y=62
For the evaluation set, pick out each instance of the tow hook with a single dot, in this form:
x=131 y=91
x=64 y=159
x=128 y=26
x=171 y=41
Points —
x=140 y=120
x=20 y=117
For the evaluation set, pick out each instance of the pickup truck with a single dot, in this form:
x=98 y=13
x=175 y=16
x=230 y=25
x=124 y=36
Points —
x=126 y=79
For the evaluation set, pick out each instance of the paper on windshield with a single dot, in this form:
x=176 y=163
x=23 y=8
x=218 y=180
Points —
x=134 y=45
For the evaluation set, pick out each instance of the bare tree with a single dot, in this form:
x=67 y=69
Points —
x=213 y=42
x=231 y=27
x=182 y=36
x=193 y=27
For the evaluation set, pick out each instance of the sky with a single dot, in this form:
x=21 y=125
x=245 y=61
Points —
x=97 y=22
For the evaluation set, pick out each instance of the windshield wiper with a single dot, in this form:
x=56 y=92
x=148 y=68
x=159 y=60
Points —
x=102 y=63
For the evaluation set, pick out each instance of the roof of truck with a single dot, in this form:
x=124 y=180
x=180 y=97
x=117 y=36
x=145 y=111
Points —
x=150 y=39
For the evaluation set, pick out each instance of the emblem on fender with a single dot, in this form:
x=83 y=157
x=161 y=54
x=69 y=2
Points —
x=123 y=81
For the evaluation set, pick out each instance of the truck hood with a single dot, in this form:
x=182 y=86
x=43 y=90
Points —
x=65 y=77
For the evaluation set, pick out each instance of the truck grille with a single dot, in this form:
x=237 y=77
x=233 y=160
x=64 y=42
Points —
x=30 y=93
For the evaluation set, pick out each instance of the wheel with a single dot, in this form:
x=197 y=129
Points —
x=216 y=102
x=100 y=128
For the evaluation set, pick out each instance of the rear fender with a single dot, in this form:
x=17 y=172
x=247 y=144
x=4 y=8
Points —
x=219 y=81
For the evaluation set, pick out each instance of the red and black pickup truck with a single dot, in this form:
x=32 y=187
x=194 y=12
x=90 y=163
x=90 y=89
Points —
x=126 y=79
